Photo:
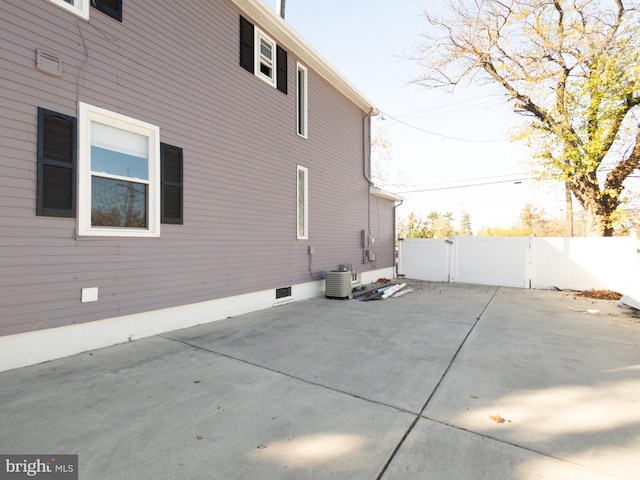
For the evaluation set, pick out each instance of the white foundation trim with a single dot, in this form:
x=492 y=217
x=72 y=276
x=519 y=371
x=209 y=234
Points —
x=30 y=348
x=373 y=275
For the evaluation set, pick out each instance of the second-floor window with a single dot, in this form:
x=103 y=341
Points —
x=265 y=58
x=302 y=101
x=262 y=56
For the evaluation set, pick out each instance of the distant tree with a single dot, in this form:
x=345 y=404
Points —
x=412 y=227
x=532 y=219
x=441 y=225
x=436 y=225
x=381 y=157
x=465 y=225
x=571 y=67
x=513 y=231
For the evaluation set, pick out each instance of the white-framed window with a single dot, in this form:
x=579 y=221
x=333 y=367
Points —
x=118 y=175
x=303 y=202
x=261 y=56
x=79 y=8
x=265 y=67
x=302 y=113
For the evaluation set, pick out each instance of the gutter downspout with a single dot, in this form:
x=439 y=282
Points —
x=366 y=161
x=396 y=253
x=366 y=134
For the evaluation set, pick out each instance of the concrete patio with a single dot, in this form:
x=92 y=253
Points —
x=450 y=381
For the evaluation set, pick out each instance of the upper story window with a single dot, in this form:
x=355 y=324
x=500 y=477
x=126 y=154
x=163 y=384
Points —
x=77 y=7
x=113 y=8
x=118 y=175
x=302 y=101
x=265 y=59
x=262 y=56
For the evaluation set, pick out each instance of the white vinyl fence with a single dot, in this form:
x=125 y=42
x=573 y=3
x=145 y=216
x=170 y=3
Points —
x=524 y=262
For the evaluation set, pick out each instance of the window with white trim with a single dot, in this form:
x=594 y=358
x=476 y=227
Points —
x=262 y=56
x=77 y=7
x=118 y=175
x=302 y=101
x=265 y=58
x=303 y=203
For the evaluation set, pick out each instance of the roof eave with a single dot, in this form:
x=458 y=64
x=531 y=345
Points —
x=373 y=190
x=293 y=42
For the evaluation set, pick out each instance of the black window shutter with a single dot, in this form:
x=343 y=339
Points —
x=281 y=65
x=171 y=187
x=57 y=154
x=247 y=60
x=113 y=8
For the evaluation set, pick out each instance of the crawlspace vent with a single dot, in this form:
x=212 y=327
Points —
x=283 y=292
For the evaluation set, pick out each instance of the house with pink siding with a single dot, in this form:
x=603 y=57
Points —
x=167 y=164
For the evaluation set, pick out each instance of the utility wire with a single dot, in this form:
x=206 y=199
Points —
x=384 y=114
x=436 y=110
x=451 y=187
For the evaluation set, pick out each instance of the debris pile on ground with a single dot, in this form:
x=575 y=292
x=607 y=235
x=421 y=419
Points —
x=383 y=292
x=600 y=294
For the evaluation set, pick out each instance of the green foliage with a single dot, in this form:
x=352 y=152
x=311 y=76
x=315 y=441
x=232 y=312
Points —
x=435 y=225
x=571 y=67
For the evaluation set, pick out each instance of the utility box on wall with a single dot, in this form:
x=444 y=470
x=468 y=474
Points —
x=338 y=284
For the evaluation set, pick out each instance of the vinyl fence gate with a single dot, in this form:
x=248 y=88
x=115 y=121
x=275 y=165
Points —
x=524 y=262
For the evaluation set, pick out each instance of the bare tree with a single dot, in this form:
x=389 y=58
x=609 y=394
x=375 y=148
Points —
x=571 y=67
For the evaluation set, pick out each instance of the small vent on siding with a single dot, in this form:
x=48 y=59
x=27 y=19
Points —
x=48 y=63
x=283 y=292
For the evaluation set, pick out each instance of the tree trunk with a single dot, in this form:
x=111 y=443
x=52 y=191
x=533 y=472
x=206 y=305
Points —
x=599 y=223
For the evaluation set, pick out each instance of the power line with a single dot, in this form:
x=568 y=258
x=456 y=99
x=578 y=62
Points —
x=384 y=114
x=451 y=187
x=443 y=108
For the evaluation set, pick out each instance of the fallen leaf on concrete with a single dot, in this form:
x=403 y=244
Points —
x=499 y=419
x=475 y=396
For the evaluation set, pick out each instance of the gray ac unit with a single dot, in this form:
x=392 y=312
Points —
x=338 y=284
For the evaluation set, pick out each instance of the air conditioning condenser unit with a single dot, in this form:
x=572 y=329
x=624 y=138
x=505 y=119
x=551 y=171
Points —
x=338 y=284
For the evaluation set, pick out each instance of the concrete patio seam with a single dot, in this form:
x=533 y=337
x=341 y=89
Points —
x=521 y=447
x=293 y=377
x=397 y=448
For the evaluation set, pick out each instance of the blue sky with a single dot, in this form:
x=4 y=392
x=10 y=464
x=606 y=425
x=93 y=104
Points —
x=440 y=141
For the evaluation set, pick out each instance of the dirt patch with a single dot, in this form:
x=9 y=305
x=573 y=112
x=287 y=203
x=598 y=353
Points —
x=600 y=294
